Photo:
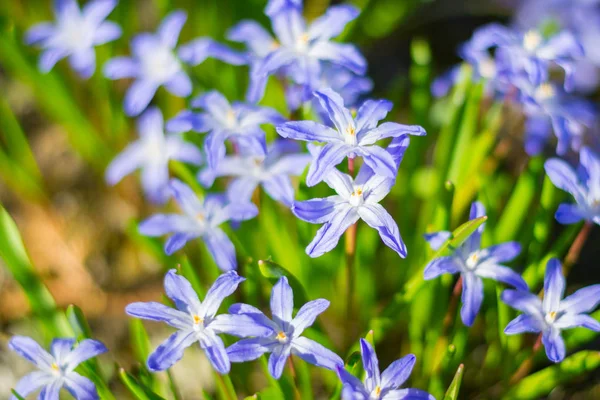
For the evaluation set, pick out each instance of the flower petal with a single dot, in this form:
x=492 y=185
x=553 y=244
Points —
x=221 y=249
x=32 y=382
x=280 y=188
x=199 y=49
x=171 y=26
x=81 y=387
x=378 y=218
x=51 y=391
x=215 y=352
x=315 y=211
x=564 y=177
x=554 y=345
x=181 y=292
x=171 y=350
x=333 y=22
x=333 y=104
x=439 y=266
x=186 y=198
x=120 y=67
x=582 y=301
x=125 y=163
x=308 y=131
x=567 y=214
x=249 y=349
x=107 y=32
x=60 y=348
x=504 y=252
x=240 y=325
x=501 y=273
x=569 y=320
x=344 y=55
x=371 y=365
x=408 y=394
x=437 y=239
x=97 y=11
x=161 y=224
x=282 y=302
x=154 y=311
x=86 y=349
x=329 y=234
x=138 y=96
x=180 y=84
x=315 y=353
x=389 y=130
x=398 y=372
x=331 y=155
x=50 y=57
x=279 y=356
x=554 y=286
x=307 y=314
x=39 y=33
x=370 y=113
x=379 y=160
x=524 y=323
x=30 y=350
x=472 y=297
x=224 y=286
x=523 y=301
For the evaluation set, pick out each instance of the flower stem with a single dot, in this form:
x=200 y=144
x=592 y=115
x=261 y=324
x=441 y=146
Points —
x=453 y=304
x=575 y=249
x=350 y=237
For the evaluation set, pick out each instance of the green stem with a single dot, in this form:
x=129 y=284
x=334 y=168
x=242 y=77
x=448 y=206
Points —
x=350 y=237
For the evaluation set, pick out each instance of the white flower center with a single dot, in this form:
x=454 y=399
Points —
x=472 y=261
x=532 y=40
x=545 y=91
x=487 y=68
x=56 y=370
x=302 y=43
x=356 y=197
x=550 y=317
x=198 y=323
x=350 y=135
x=376 y=393
x=160 y=65
x=281 y=337
x=75 y=34
x=155 y=150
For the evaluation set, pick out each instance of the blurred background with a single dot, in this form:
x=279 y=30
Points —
x=58 y=133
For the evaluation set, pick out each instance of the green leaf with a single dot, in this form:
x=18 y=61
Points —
x=138 y=391
x=541 y=383
x=452 y=392
x=78 y=322
x=273 y=271
x=13 y=252
x=17 y=395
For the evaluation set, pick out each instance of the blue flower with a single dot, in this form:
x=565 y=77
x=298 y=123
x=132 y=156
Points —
x=384 y=386
x=157 y=62
x=238 y=121
x=196 y=321
x=351 y=137
x=583 y=184
x=199 y=220
x=552 y=314
x=285 y=338
x=474 y=263
x=74 y=34
x=298 y=50
x=356 y=199
x=548 y=108
x=57 y=368
x=152 y=153
x=272 y=171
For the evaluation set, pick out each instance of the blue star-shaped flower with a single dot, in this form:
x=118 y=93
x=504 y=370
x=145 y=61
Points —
x=552 y=314
x=75 y=34
x=285 y=338
x=200 y=219
x=474 y=263
x=583 y=184
x=350 y=137
x=57 y=368
x=196 y=321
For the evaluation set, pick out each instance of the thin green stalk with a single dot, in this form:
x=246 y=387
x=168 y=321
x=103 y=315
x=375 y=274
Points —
x=350 y=238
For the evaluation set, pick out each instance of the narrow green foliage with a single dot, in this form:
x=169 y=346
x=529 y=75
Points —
x=273 y=272
x=452 y=393
x=138 y=391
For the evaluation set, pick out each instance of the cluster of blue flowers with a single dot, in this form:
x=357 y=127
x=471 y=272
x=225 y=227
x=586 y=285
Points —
x=328 y=77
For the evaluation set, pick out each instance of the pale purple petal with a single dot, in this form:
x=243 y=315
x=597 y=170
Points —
x=504 y=252
x=437 y=239
x=250 y=349
x=180 y=84
x=50 y=57
x=280 y=188
x=582 y=301
x=221 y=249
x=388 y=130
x=370 y=364
x=158 y=312
x=96 y=11
x=39 y=33
x=180 y=290
x=569 y=320
x=186 y=198
x=86 y=349
x=138 y=96
x=307 y=314
x=198 y=50
x=370 y=113
x=331 y=155
x=344 y=55
x=407 y=394
x=523 y=301
x=554 y=286
x=107 y=32
x=240 y=325
x=155 y=180
x=171 y=350
x=30 y=350
x=32 y=382
x=81 y=387
x=224 y=286
x=125 y=163
x=51 y=391
x=60 y=347
x=379 y=160
x=308 y=131
x=315 y=353
x=329 y=234
x=171 y=26
x=277 y=360
x=333 y=104
x=472 y=297
x=502 y=274
x=282 y=301
x=333 y=22
x=315 y=211
x=567 y=214
x=439 y=266
x=524 y=323
x=398 y=372
x=554 y=345
x=120 y=67
x=378 y=218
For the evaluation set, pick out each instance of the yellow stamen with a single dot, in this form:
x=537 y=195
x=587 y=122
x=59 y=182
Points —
x=553 y=314
x=351 y=130
x=532 y=40
x=200 y=217
x=377 y=390
x=357 y=192
x=281 y=336
x=55 y=367
x=198 y=320
x=546 y=91
x=275 y=45
x=303 y=38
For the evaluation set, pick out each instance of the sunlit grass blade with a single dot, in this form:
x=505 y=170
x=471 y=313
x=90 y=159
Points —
x=452 y=393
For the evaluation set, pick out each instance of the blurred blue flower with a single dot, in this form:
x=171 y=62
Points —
x=238 y=121
x=298 y=50
x=384 y=386
x=285 y=338
x=199 y=220
x=57 y=368
x=474 y=263
x=157 y=62
x=272 y=171
x=74 y=34
x=196 y=321
x=151 y=153
x=351 y=137
x=356 y=199
x=583 y=184
x=549 y=109
x=553 y=314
